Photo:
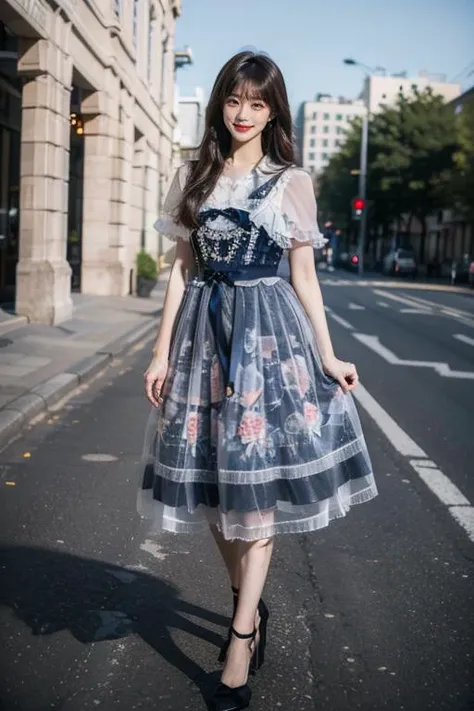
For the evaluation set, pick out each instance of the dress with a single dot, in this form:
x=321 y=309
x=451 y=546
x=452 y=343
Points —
x=251 y=434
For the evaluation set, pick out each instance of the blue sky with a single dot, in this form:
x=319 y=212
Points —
x=310 y=38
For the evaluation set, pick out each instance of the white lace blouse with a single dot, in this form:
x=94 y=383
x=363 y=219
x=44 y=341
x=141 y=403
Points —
x=288 y=213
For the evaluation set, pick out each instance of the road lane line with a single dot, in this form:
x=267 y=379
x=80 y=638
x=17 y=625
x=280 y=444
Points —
x=341 y=321
x=447 y=492
x=402 y=442
x=464 y=515
x=382 y=304
x=439 y=484
x=356 y=307
x=408 y=301
x=464 y=339
x=425 y=312
x=443 y=369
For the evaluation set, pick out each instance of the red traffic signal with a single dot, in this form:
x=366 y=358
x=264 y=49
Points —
x=358 y=203
x=358 y=207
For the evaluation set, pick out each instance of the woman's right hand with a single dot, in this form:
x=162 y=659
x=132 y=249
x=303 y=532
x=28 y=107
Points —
x=155 y=376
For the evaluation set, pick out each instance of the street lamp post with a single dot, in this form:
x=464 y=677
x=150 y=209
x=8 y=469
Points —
x=363 y=165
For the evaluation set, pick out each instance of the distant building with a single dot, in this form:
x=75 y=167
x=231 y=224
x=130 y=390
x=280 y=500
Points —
x=385 y=90
x=321 y=127
x=191 y=110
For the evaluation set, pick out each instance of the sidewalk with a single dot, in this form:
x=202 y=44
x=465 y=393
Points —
x=41 y=364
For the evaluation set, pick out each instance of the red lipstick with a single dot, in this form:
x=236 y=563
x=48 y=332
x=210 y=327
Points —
x=242 y=129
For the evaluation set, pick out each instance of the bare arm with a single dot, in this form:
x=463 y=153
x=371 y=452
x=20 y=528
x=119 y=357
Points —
x=181 y=271
x=306 y=285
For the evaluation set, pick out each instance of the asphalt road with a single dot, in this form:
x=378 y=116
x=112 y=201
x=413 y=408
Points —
x=374 y=613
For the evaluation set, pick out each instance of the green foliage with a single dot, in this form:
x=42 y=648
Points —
x=146 y=266
x=463 y=187
x=412 y=155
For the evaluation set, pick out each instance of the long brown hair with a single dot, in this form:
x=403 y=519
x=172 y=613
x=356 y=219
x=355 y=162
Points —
x=259 y=77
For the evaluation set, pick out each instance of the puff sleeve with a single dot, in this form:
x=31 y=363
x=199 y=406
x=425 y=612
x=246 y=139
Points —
x=166 y=222
x=300 y=212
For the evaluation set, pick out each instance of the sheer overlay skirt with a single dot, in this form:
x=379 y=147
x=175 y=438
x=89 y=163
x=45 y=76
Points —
x=285 y=453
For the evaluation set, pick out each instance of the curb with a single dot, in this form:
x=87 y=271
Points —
x=16 y=414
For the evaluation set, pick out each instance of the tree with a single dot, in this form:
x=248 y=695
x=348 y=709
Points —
x=463 y=178
x=410 y=162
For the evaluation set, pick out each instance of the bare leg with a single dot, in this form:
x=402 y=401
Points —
x=230 y=553
x=255 y=560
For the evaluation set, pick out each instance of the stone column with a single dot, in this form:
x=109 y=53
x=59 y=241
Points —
x=43 y=274
x=107 y=179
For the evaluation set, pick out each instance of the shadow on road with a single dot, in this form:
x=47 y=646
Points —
x=52 y=591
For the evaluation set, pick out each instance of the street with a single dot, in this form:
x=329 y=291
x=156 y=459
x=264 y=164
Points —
x=373 y=613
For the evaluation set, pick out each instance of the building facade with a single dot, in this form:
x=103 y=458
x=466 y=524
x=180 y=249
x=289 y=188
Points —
x=321 y=127
x=86 y=129
x=385 y=90
x=191 y=115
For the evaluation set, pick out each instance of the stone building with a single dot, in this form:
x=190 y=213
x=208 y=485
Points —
x=86 y=139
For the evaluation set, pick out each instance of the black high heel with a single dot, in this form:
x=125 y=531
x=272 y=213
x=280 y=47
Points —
x=228 y=698
x=259 y=656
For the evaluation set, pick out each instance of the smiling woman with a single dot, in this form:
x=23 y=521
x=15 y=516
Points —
x=254 y=431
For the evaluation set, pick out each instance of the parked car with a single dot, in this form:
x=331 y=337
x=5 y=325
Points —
x=400 y=261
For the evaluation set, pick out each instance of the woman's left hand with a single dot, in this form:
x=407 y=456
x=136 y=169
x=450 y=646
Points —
x=345 y=373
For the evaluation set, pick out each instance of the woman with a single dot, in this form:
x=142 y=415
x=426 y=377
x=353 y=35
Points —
x=254 y=431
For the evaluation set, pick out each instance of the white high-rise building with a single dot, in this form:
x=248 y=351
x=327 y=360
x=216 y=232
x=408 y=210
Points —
x=385 y=90
x=321 y=127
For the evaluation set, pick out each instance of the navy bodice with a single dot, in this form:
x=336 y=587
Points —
x=241 y=252
x=243 y=247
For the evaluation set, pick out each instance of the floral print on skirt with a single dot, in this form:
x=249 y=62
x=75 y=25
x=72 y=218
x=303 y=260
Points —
x=285 y=453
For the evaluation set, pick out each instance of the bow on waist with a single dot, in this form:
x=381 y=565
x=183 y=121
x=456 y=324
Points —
x=230 y=350
x=241 y=218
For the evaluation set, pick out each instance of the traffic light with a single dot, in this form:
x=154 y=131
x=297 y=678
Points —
x=358 y=207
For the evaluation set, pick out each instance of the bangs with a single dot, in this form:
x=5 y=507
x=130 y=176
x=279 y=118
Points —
x=253 y=84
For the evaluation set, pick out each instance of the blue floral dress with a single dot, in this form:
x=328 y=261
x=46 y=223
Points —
x=251 y=435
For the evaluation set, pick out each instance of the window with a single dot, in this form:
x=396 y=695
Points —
x=339 y=130
x=326 y=117
x=313 y=129
x=325 y=129
x=325 y=143
x=338 y=117
x=324 y=156
x=151 y=40
x=135 y=21
x=337 y=143
x=311 y=156
x=118 y=7
x=312 y=143
x=315 y=115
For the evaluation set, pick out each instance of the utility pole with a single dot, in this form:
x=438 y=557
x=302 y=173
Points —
x=363 y=189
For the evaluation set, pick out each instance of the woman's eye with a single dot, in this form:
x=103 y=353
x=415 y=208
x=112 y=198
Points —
x=232 y=102
x=257 y=106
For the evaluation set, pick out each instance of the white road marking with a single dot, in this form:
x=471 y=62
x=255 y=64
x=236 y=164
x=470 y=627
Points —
x=464 y=339
x=402 y=442
x=425 y=312
x=439 y=484
x=356 y=307
x=341 y=321
x=154 y=549
x=382 y=304
x=408 y=301
x=446 y=309
x=442 y=369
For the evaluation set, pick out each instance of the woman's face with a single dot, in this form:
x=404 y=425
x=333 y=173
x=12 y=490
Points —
x=244 y=117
